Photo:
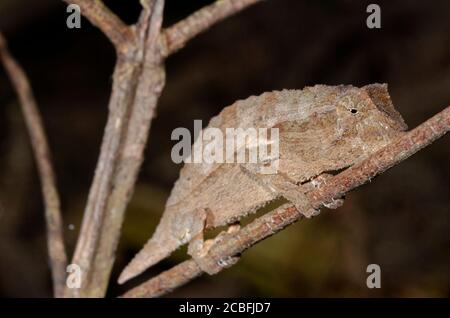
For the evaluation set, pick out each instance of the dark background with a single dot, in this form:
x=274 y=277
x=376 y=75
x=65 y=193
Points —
x=400 y=221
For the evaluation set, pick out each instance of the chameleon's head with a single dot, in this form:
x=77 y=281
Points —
x=367 y=118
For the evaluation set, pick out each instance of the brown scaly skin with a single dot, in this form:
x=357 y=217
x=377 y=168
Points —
x=321 y=129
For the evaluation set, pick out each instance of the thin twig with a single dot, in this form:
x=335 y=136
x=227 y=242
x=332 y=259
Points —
x=233 y=244
x=176 y=36
x=103 y=18
x=55 y=239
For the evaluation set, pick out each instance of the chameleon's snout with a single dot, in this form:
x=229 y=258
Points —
x=379 y=95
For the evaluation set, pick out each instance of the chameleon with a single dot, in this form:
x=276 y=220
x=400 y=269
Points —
x=322 y=130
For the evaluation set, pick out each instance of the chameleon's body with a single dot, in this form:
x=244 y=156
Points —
x=321 y=129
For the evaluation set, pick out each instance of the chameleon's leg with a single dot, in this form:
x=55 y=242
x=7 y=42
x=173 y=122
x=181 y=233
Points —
x=281 y=185
x=233 y=228
x=198 y=248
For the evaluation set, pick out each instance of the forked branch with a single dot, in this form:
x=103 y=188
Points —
x=149 y=83
x=138 y=80
x=55 y=240
x=176 y=36
x=233 y=244
x=103 y=18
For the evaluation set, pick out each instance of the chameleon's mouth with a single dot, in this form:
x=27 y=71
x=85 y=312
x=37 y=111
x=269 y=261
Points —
x=382 y=100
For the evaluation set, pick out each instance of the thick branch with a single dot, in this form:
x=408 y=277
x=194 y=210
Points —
x=103 y=18
x=138 y=82
x=176 y=36
x=273 y=222
x=41 y=150
x=148 y=91
x=124 y=84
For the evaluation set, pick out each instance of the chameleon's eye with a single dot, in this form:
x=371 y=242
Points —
x=350 y=104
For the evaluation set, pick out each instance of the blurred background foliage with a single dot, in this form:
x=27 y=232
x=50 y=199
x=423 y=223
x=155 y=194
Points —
x=400 y=221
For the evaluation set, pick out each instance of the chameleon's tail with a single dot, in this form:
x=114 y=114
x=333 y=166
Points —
x=153 y=252
x=174 y=224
